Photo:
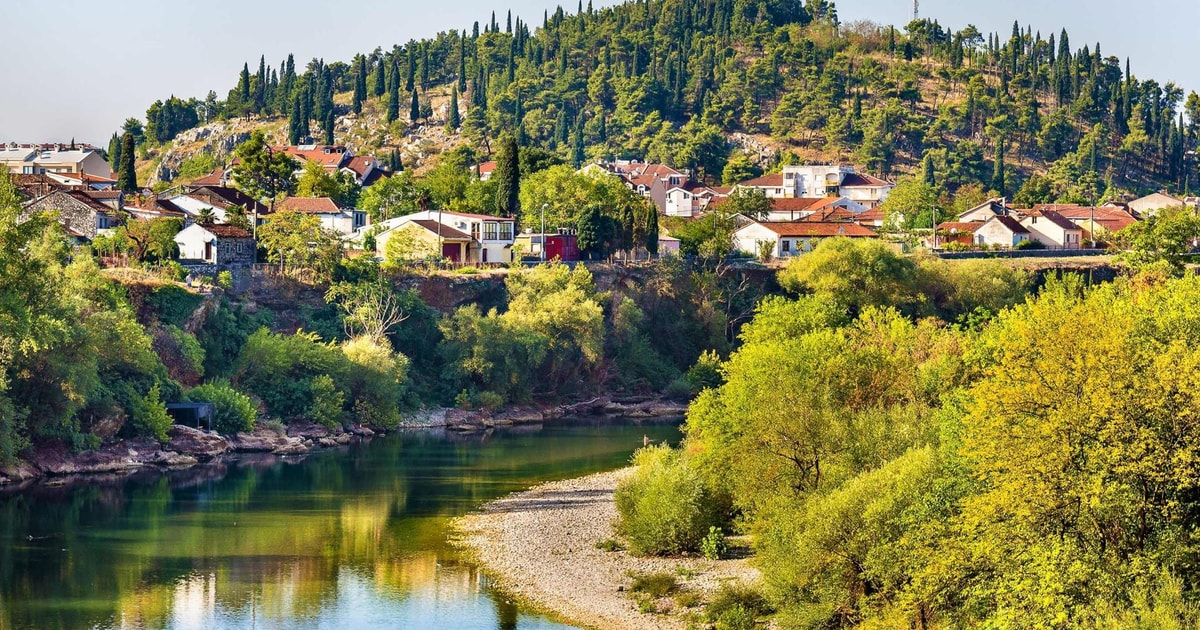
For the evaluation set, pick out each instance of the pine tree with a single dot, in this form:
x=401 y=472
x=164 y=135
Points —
x=126 y=171
x=508 y=177
x=414 y=110
x=930 y=180
x=453 y=119
x=381 y=84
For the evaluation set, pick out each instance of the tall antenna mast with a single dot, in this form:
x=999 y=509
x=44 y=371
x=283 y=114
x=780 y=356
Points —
x=916 y=10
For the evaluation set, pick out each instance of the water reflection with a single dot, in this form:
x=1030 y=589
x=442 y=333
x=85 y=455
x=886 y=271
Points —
x=354 y=538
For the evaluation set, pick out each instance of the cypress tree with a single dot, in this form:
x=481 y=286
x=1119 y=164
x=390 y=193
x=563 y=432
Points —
x=260 y=90
x=414 y=110
x=126 y=171
x=381 y=86
x=462 y=63
x=393 y=106
x=930 y=180
x=244 y=85
x=577 y=151
x=998 y=170
x=508 y=176
x=360 y=84
x=114 y=152
x=650 y=228
x=424 y=68
x=297 y=125
x=453 y=119
x=327 y=126
x=412 y=69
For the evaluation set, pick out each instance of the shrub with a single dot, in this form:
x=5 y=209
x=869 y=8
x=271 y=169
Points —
x=736 y=606
x=664 y=506
x=467 y=271
x=659 y=584
x=225 y=280
x=489 y=401
x=706 y=373
x=189 y=349
x=234 y=410
x=609 y=545
x=174 y=304
x=680 y=389
x=327 y=402
x=149 y=415
x=714 y=546
x=1030 y=244
x=172 y=271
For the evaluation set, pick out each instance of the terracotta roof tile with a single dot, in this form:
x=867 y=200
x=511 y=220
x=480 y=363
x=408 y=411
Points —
x=766 y=181
x=308 y=205
x=227 y=231
x=819 y=229
x=446 y=232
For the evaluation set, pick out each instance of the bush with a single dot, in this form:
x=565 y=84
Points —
x=1030 y=244
x=736 y=607
x=172 y=271
x=189 y=349
x=706 y=373
x=680 y=389
x=149 y=415
x=714 y=546
x=234 y=410
x=327 y=402
x=174 y=304
x=489 y=401
x=225 y=280
x=658 y=584
x=664 y=506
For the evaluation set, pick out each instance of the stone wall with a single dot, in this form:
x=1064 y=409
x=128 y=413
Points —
x=72 y=213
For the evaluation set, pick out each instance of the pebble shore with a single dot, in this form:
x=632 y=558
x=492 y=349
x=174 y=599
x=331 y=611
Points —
x=541 y=546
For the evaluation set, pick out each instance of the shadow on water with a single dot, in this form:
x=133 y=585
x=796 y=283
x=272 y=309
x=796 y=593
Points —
x=353 y=537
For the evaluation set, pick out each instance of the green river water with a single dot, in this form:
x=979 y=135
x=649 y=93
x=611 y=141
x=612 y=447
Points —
x=348 y=538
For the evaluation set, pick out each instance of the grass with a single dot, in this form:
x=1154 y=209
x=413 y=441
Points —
x=659 y=584
x=609 y=545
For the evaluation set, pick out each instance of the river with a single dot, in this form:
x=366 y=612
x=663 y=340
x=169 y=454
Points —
x=350 y=538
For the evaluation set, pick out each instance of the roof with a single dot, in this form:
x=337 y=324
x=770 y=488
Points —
x=226 y=231
x=960 y=226
x=485 y=217
x=796 y=204
x=81 y=197
x=819 y=229
x=156 y=206
x=326 y=155
x=487 y=167
x=766 y=181
x=874 y=214
x=1010 y=223
x=226 y=197
x=1111 y=219
x=308 y=205
x=101 y=195
x=859 y=180
x=1055 y=218
x=833 y=214
x=215 y=178
x=445 y=231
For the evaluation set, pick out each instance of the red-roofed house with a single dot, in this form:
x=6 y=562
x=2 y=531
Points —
x=468 y=238
x=221 y=245
x=1001 y=231
x=331 y=158
x=781 y=240
x=344 y=221
x=1053 y=230
x=1100 y=220
x=81 y=216
x=485 y=170
x=823 y=181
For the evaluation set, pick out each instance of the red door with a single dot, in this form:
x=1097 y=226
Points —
x=452 y=251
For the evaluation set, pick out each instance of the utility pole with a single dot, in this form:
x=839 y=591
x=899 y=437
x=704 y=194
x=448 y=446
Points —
x=916 y=10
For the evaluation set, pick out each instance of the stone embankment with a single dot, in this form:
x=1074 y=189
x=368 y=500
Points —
x=185 y=447
x=542 y=545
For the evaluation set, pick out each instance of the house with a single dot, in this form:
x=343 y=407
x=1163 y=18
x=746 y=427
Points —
x=872 y=218
x=145 y=209
x=780 y=240
x=961 y=232
x=654 y=181
x=1152 y=203
x=687 y=199
x=217 y=199
x=986 y=210
x=823 y=181
x=485 y=170
x=1053 y=230
x=222 y=245
x=80 y=215
x=563 y=245
x=1001 y=231
x=1095 y=221
x=667 y=245
x=112 y=198
x=365 y=170
x=344 y=221
x=84 y=180
x=331 y=158
x=464 y=238
x=40 y=160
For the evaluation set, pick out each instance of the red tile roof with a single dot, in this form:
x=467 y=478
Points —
x=1011 y=224
x=1055 y=218
x=858 y=180
x=445 y=231
x=796 y=204
x=960 y=226
x=331 y=157
x=766 y=181
x=308 y=205
x=1111 y=219
x=215 y=178
x=819 y=229
x=227 y=231
x=487 y=167
x=834 y=214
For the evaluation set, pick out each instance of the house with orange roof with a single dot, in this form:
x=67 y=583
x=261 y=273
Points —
x=828 y=180
x=781 y=240
x=344 y=221
x=458 y=236
x=1053 y=230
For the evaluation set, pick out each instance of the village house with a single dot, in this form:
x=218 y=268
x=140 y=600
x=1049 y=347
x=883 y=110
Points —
x=563 y=245
x=1152 y=203
x=781 y=240
x=986 y=210
x=217 y=200
x=822 y=181
x=485 y=170
x=460 y=237
x=344 y=221
x=1053 y=230
x=1097 y=222
x=44 y=160
x=224 y=246
x=960 y=232
x=80 y=215
x=1001 y=231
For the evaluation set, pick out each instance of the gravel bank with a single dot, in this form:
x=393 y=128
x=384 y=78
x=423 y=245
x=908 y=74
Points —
x=541 y=545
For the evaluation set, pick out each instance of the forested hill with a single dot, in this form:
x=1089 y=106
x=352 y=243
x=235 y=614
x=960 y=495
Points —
x=694 y=83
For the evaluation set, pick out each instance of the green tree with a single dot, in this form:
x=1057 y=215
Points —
x=508 y=178
x=855 y=274
x=262 y=172
x=453 y=119
x=126 y=170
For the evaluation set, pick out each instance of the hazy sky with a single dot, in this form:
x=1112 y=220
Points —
x=77 y=69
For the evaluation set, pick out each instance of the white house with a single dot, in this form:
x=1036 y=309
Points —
x=1053 y=230
x=781 y=240
x=216 y=245
x=344 y=221
x=1001 y=231
x=39 y=160
x=823 y=181
x=1154 y=202
x=986 y=210
x=467 y=238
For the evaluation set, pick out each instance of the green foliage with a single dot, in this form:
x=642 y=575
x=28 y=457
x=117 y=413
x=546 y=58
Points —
x=714 y=546
x=148 y=415
x=223 y=333
x=173 y=304
x=299 y=244
x=315 y=181
x=327 y=402
x=189 y=348
x=656 y=585
x=1165 y=237
x=235 y=411
x=854 y=274
x=664 y=506
x=260 y=172
x=280 y=369
x=198 y=166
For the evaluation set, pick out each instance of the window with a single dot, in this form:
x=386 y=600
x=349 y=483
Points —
x=506 y=231
x=491 y=231
x=785 y=246
x=475 y=231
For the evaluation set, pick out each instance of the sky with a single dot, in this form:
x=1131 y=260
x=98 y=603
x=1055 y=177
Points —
x=79 y=68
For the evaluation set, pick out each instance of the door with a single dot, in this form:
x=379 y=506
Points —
x=452 y=251
x=208 y=252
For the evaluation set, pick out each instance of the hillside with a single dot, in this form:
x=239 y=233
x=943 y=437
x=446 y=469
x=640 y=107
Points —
x=708 y=83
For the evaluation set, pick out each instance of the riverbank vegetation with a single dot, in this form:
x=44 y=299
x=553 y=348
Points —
x=1017 y=461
